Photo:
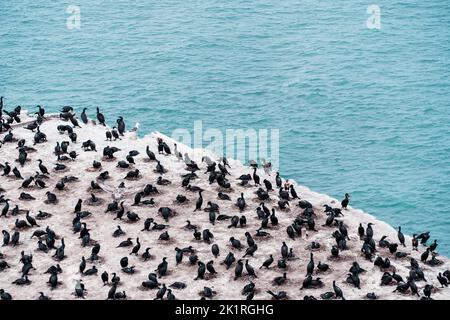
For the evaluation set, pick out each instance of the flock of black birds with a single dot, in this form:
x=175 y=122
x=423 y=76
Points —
x=267 y=219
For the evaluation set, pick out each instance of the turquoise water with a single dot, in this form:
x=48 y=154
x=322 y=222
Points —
x=359 y=111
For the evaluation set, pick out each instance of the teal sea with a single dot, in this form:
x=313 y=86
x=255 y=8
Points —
x=360 y=110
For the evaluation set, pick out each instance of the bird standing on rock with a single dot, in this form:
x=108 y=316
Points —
x=344 y=203
x=100 y=117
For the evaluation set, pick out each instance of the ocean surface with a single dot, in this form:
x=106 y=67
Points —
x=359 y=110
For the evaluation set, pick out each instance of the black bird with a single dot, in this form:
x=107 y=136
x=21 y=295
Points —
x=115 y=279
x=413 y=287
x=278 y=180
x=427 y=290
x=268 y=185
x=136 y=248
x=322 y=266
x=164 y=236
x=337 y=291
x=229 y=260
x=82 y=265
x=43 y=168
x=121 y=126
x=125 y=243
x=6 y=169
x=132 y=216
x=393 y=247
x=170 y=295
x=22 y=281
x=334 y=251
x=281 y=264
x=118 y=232
x=15 y=238
x=94 y=252
x=284 y=250
x=415 y=242
x=112 y=292
x=198 y=204
x=402 y=287
x=433 y=246
x=32 y=126
x=224 y=196
x=74 y=121
x=41 y=111
x=273 y=218
x=267 y=262
x=235 y=243
x=190 y=226
x=242 y=221
x=83 y=116
x=279 y=295
x=5 y=209
x=201 y=270
x=241 y=202
x=115 y=134
x=73 y=137
x=361 y=231
x=43 y=297
x=234 y=222
x=344 y=203
x=166 y=148
x=283 y=204
x=31 y=220
x=161 y=292
x=78 y=206
x=291 y=232
x=424 y=255
x=369 y=230
x=215 y=250
x=162 y=267
x=210 y=267
x=250 y=240
x=197 y=234
x=146 y=255
x=256 y=178
x=310 y=266
x=280 y=280
x=238 y=269
x=353 y=278
x=150 y=154
x=51 y=197
x=100 y=117
x=20 y=224
x=293 y=192
x=442 y=280
x=284 y=195
x=17 y=173
x=343 y=230
x=22 y=157
x=424 y=237
x=179 y=255
x=6 y=237
x=447 y=274
x=40 y=183
x=250 y=270
x=401 y=237
x=5 y=295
